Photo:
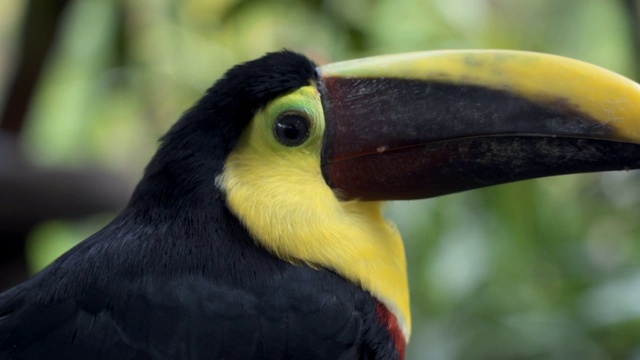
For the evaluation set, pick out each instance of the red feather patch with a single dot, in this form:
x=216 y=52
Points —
x=389 y=320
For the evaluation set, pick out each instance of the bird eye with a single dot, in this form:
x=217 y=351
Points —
x=292 y=129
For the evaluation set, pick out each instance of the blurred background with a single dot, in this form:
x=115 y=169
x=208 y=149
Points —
x=543 y=269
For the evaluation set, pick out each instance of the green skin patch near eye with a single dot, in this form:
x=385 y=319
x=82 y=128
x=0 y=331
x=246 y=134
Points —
x=303 y=102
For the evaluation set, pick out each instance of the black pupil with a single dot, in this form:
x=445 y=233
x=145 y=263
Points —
x=292 y=129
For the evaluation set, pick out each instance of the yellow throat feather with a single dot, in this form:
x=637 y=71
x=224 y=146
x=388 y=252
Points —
x=280 y=195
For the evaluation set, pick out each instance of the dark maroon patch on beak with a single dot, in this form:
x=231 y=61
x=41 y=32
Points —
x=406 y=139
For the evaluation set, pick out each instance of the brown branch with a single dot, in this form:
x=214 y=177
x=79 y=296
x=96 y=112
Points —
x=39 y=28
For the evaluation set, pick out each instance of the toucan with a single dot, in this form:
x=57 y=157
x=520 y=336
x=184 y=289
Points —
x=257 y=231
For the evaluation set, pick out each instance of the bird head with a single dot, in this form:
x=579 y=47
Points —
x=304 y=156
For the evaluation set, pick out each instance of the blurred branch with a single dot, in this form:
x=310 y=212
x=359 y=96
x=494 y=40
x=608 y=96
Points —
x=30 y=195
x=633 y=9
x=40 y=26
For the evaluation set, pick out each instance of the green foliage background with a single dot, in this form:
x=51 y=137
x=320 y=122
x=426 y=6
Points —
x=544 y=269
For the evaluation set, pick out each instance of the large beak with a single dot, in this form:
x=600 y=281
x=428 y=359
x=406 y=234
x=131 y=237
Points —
x=426 y=124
